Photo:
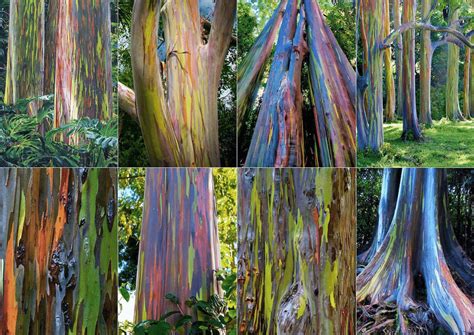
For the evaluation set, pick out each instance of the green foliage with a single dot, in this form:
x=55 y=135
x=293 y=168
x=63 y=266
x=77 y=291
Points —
x=446 y=144
x=29 y=140
x=369 y=185
x=208 y=317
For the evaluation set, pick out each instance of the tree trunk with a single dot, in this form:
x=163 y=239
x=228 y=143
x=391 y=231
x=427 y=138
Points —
x=83 y=86
x=398 y=54
x=388 y=200
x=467 y=84
x=389 y=81
x=333 y=88
x=425 y=68
x=453 y=110
x=251 y=68
x=293 y=275
x=179 y=246
x=51 y=36
x=410 y=119
x=127 y=101
x=411 y=250
x=370 y=134
x=179 y=127
x=471 y=81
x=25 y=62
x=265 y=139
x=58 y=261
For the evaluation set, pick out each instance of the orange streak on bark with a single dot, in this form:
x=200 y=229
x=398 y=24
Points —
x=9 y=286
x=62 y=214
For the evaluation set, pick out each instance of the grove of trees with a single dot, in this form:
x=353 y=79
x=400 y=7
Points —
x=415 y=276
x=411 y=31
x=58 y=260
x=296 y=256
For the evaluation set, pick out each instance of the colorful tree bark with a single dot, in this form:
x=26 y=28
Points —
x=389 y=81
x=467 y=84
x=296 y=257
x=83 y=85
x=251 y=68
x=370 y=93
x=333 y=88
x=58 y=258
x=179 y=247
x=397 y=21
x=425 y=67
x=471 y=81
x=410 y=119
x=179 y=127
x=388 y=200
x=25 y=63
x=413 y=246
x=453 y=110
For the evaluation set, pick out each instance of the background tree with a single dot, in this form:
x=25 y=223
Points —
x=293 y=275
x=58 y=258
x=181 y=126
x=394 y=284
x=389 y=81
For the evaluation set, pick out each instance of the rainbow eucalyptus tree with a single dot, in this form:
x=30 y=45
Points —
x=62 y=48
x=425 y=67
x=453 y=110
x=179 y=245
x=370 y=85
x=178 y=115
x=389 y=81
x=416 y=254
x=471 y=80
x=467 y=84
x=83 y=72
x=25 y=61
x=278 y=135
x=296 y=257
x=397 y=21
x=58 y=251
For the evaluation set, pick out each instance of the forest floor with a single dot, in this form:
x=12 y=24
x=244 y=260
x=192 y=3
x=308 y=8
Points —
x=445 y=144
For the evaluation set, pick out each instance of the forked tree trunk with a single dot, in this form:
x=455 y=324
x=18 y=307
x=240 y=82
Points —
x=453 y=110
x=388 y=200
x=370 y=110
x=58 y=242
x=179 y=246
x=179 y=119
x=25 y=61
x=413 y=247
x=294 y=275
x=83 y=86
x=389 y=81
x=425 y=68
x=410 y=119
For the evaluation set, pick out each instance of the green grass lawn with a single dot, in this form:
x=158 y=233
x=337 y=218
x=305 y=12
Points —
x=446 y=144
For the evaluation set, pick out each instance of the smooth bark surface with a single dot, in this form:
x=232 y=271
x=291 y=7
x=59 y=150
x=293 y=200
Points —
x=179 y=120
x=58 y=251
x=425 y=67
x=83 y=86
x=412 y=251
x=179 y=246
x=296 y=257
x=389 y=81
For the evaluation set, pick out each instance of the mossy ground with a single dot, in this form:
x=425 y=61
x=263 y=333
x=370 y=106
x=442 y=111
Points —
x=445 y=144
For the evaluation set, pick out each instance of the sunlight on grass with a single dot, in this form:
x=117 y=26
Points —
x=445 y=144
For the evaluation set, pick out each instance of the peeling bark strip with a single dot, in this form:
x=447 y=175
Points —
x=58 y=258
x=296 y=257
x=83 y=85
x=179 y=127
x=419 y=242
x=179 y=247
x=25 y=62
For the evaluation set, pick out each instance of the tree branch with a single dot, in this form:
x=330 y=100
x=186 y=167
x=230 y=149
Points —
x=221 y=29
x=127 y=101
x=427 y=26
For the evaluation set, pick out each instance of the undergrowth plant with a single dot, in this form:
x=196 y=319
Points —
x=31 y=141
